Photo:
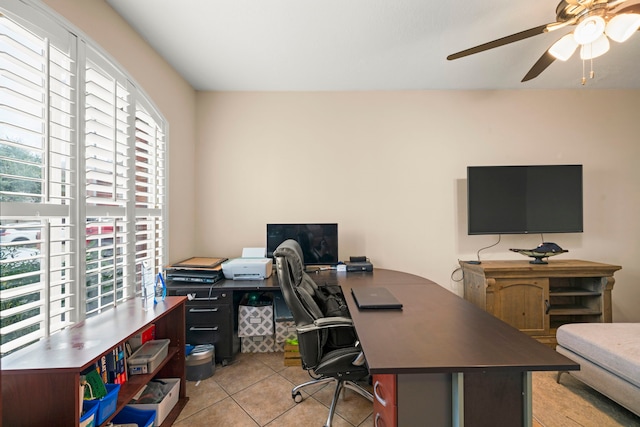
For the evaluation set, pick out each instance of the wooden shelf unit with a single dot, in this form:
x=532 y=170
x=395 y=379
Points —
x=538 y=298
x=41 y=382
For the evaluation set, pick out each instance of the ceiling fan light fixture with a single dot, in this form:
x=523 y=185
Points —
x=589 y=29
x=592 y=50
x=623 y=26
x=564 y=48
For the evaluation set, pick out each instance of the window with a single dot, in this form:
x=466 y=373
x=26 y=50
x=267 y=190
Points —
x=82 y=178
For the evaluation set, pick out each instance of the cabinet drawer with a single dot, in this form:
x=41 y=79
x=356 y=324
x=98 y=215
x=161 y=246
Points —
x=385 y=410
x=205 y=294
x=201 y=314
x=221 y=338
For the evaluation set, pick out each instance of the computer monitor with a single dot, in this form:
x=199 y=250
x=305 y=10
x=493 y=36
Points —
x=319 y=242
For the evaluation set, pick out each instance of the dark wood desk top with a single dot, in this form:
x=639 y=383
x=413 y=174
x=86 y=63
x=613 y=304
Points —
x=437 y=331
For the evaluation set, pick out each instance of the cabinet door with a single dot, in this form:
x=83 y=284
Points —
x=385 y=412
x=523 y=304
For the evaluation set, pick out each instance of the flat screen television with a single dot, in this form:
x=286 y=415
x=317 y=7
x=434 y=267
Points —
x=319 y=242
x=524 y=199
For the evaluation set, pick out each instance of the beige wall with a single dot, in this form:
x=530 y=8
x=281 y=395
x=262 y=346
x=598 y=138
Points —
x=173 y=96
x=390 y=168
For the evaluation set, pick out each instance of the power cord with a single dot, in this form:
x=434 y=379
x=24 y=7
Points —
x=482 y=249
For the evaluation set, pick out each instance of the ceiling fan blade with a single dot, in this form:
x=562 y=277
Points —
x=545 y=60
x=634 y=8
x=500 y=42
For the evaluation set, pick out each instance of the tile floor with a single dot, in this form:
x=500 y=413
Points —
x=255 y=390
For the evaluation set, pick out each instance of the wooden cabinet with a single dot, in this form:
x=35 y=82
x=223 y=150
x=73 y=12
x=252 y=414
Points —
x=538 y=298
x=521 y=303
x=385 y=407
x=41 y=382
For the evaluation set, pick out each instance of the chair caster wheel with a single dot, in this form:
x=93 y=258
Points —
x=297 y=397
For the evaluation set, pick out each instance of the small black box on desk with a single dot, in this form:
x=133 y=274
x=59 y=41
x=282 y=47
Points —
x=359 y=266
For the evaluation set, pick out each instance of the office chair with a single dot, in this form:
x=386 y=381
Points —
x=343 y=365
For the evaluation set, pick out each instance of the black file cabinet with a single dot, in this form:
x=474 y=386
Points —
x=209 y=318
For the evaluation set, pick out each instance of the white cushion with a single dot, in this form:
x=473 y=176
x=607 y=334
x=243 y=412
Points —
x=613 y=346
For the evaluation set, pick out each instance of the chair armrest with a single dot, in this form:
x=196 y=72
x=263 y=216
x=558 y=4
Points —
x=326 y=322
x=333 y=321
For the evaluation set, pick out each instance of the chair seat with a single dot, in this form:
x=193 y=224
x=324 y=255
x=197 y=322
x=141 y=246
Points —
x=339 y=363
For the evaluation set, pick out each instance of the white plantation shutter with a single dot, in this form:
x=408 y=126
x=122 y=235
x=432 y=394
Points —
x=37 y=182
x=108 y=105
x=82 y=178
x=150 y=189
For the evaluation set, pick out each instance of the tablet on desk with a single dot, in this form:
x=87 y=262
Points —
x=375 y=299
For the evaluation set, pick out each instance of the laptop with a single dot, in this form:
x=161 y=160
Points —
x=375 y=299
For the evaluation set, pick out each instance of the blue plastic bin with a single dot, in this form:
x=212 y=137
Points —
x=88 y=418
x=107 y=405
x=142 y=417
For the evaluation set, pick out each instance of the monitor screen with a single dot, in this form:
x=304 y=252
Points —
x=319 y=242
x=524 y=199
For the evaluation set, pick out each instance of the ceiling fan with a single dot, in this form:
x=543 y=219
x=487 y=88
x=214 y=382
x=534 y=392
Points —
x=596 y=22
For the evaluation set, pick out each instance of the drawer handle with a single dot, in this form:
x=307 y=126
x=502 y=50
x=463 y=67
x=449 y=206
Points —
x=192 y=297
x=377 y=418
x=202 y=310
x=376 y=386
x=193 y=328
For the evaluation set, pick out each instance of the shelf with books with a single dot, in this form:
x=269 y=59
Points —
x=51 y=368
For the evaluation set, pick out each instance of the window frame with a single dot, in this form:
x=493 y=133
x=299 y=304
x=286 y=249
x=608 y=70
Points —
x=121 y=239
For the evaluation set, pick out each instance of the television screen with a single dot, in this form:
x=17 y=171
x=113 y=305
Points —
x=524 y=199
x=319 y=242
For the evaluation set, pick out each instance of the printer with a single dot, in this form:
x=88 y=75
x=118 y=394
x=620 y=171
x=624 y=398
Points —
x=253 y=265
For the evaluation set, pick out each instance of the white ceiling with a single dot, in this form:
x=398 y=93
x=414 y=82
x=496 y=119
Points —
x=339 y=45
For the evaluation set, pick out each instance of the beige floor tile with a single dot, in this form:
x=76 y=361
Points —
x=309 y=412
x=368 y=422
x=225 y=413
x=201 y=395
x=351 y=405
x=296 y=375
x=243 y=372
x=273 y=360
x=266 y=399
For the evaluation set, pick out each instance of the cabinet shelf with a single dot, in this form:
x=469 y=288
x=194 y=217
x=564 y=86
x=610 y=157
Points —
x=570 y=309
x=573 y=292
x=135 y=383
x=52 y=366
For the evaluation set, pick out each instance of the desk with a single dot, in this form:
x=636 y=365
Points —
x=451 y=362
x=454 y=364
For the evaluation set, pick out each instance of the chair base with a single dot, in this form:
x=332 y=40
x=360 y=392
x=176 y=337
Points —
x=296 y=395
